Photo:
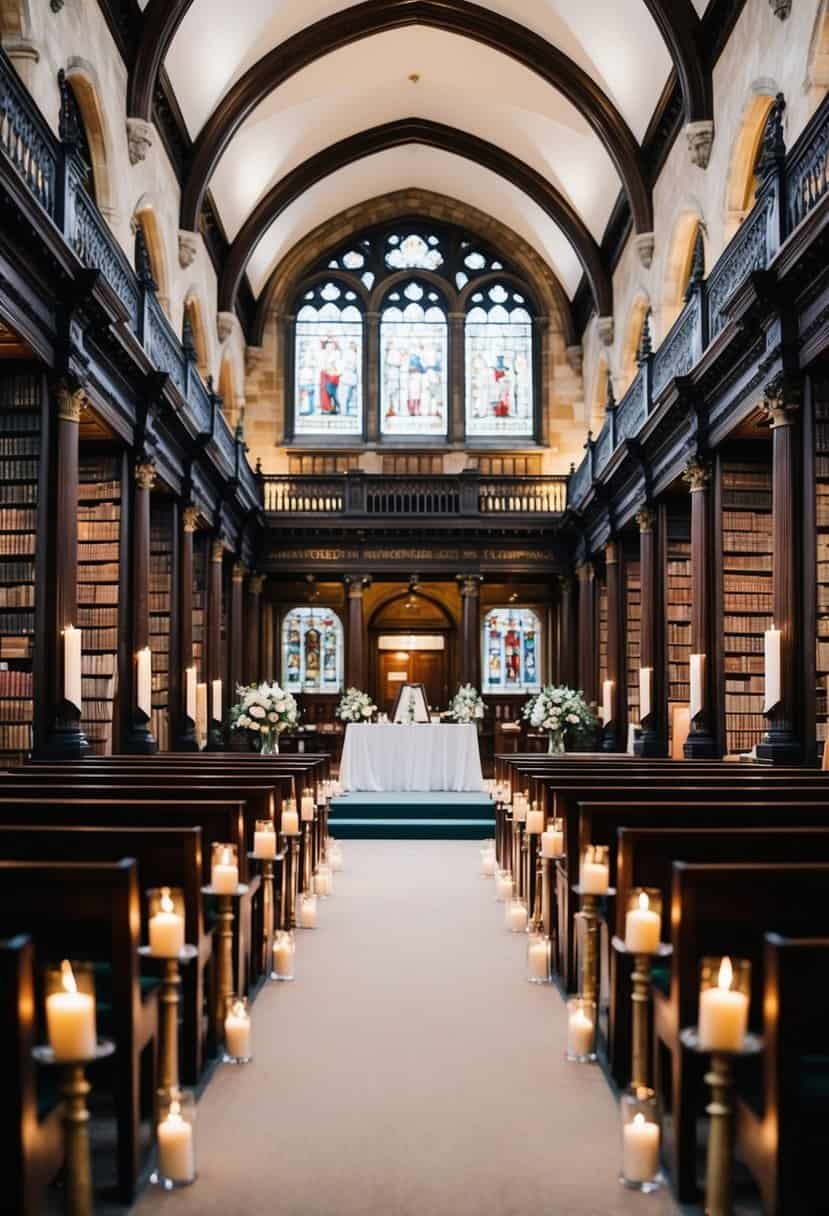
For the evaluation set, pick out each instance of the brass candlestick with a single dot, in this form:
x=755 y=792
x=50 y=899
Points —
x=169 y=999
x=267 y=912
x=521 y=862
x=589 y=914
x=532 y=879
x=291 y=880
x=640 y=999
x=77 y=1195
x=537 y=904
x=224 y=953
x=547 y=893
x=307 y=857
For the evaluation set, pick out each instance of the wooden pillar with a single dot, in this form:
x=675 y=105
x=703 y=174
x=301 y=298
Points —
x=356 y=674
x=653 y=740
x=268 y=670
x=471 y=631
x=567 y=632
x=139 y=737
x=702 y=739
x=612 y=735
x=781 y=743
x=588 y=650
x=215 y=736
x=237 y=673
x=185 y=735
x=64 y=738
x=253 y=625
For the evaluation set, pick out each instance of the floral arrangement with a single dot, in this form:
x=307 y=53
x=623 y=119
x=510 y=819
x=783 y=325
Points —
x=467 y=705
x=564 y=714
x=356 y=706
x=264 y=711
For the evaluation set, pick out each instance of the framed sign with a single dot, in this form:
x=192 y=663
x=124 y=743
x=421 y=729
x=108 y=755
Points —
x=411 y=704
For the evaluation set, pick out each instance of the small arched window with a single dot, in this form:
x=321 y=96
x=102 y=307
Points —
x=328 y=362
x=511 y=651
x=499 y=364
x=413 y=361
x=312 y=651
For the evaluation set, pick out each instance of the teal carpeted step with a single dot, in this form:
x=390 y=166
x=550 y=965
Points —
x=421 y=828
x=412 y=806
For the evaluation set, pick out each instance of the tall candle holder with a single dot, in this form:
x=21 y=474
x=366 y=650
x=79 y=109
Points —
x=220 y=887
x=307 y=853
x=643 y=922
x=165 y=906
x=268 y=905
x=593 y=885
x=291 y=878
x=534 y=878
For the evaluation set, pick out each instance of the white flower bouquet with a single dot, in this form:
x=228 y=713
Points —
x=467 y=705
x=263 y=711
x=356 y=706
x=564 y=714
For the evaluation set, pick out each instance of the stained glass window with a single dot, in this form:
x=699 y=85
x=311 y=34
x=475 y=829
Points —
x=312 y=651
x=499 y=364
x=413 y=362
x=511 y=651
x=412 y=252
x=328 y=363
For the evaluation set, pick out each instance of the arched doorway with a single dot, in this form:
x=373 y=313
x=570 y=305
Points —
x=411 y=639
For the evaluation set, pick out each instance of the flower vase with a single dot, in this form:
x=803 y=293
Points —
x=270 y=744
x=555 y=743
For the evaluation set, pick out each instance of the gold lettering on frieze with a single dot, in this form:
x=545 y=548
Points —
x=315 y=555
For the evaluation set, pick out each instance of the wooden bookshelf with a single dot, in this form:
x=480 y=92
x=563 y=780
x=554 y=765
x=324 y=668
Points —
x=633 y=636
x=99 y=572
x=677 y=616
x=201 y=556
x=747 y=598
x=161 y=598
x=20 y=452
x=821 y=407
x=602 y=602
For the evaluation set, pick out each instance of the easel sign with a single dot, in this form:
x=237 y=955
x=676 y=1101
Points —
x=411 y=704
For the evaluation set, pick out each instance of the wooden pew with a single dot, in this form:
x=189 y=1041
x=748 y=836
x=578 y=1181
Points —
x=91 y=911
x=31 y=1146
x=715 y=910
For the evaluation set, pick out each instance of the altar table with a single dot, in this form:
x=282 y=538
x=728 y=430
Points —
x=388 y=757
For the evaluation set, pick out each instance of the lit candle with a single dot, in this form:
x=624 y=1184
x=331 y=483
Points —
x=640 y=1149
x=772 y=639
x=290 y=821
x=519 y=808
x=552 y=843
x=237 y=1031
x=697 y=685
x=645 y=684
x=607 y=701
x=70 y=1019
x=535 y=820
x=487 y=864
x=307 y=915
x=264 y=842
x=538 y=959
x=503 y=887
x=335 y=856
x=217 y=700
x=595 y=878
x=283 y=956
x=579 y=1034
x=307 y=807
x=224 y=875
x=642 y=928
x=72 y=687
x=322 y=882
x=176 y=1159
x=144 y=683
x=190 y=693
x=723 y=1013
x=166 y=929
x=516 y=916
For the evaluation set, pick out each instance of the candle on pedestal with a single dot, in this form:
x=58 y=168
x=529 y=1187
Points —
x=642 y=927
x=307 y=806
x=607 y=701
x=144 y=681
x=773 y=667
x=645 y=689
x=264 y=840
x=190 y=693
x=552 y=840
x=696 y=701
x=595 y=870
x=217 y=700
x=723 y=1013
x=70 y=1019
x=72 y=686
x=290 y=819
x=166 y=928
x=224 y=874
x=535 y=820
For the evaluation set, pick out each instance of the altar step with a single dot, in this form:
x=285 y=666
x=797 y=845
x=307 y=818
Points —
x=412 y=816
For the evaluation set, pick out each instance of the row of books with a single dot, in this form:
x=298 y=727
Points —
x=16 y=544
x=17 y=595
x=16 y=683
x=90 y=530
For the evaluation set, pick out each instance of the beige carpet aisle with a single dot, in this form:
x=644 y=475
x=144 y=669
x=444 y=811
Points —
x=410 y=1070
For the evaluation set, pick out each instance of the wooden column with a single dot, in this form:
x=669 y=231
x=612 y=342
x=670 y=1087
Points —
x=138 y=737
x=653 y=740
x=64 y=738
x=237 y=672
x=588 y=652
x=612 y=735
x=781 y=743
x=253 y=625
x=567 y=632
x=702 y=739
x=185 y=736
x=268 y=669
x=215 y=735
x=470 y=631
x=356 y=673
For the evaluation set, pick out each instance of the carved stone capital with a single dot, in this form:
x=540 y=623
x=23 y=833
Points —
x=188 y=247
x=145 y=475
x=238 y=572
x=697 y=473
x=139 y=139
x=225 y=322
x=190 y=519
x=566 y=583
x=255 y=584
x=782 y=399
x=584 y=572
x=71 y=401
x=611 y=553
x=356 y=585
x=470 y=584
x=575 y=357
x=254 y=358
x=605 y=328
x=781 y=8
x=644 y=244
x=700 y=136
x=217 y=551
x=646 y=518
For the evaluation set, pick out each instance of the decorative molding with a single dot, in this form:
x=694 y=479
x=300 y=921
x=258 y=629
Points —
x=606 y=330
x=697 y=473
x=188 y=247
x=470 y=585
x=254 y=359
x=700 y=136
x=139 y=139
x=217 y=551
x=255 y=584
x=575 y=359
x=145 y=474
x=646 y=519
x=238 y=572
x=190 y=519
x=644 y=243
x=782 y=398
x=225 y=322
x=71 y=401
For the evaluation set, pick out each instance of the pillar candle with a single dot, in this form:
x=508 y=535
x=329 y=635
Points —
x=595 y=878
x=264 y=844
x=645 y=685
x=144 y=681
x=503 y=887
x=552 y=843
x=697 y=678
x=488 y=864
x=607 y=701
x=535 y=820
x=70 y=1020
x=307 y=806
x=519 y=808
x=538 y=956
x=516 y=916
x=237 y=1031
x=336 y=857
x=166 y=929
x=201 y=713
x=216 y=695
x=190 y=693
x=224 y=876
x=640 y=1149
x=72 y=686
x=176 y=1159
x=772 y=640
x=290 y=822
x=723 y=1014
x=283 y=956
x=307 y=915
x=322 y=881
x=642 y=928
x=579 y=1034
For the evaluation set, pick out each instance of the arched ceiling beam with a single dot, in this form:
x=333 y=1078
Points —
x=453 y=16
x=158 y=29
x=434 y=135
x=680 y=26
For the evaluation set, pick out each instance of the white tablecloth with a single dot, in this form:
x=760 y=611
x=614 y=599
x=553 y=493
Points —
x=388 y=757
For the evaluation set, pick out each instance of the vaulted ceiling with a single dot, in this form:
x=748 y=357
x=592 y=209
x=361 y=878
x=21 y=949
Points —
x=534 y=111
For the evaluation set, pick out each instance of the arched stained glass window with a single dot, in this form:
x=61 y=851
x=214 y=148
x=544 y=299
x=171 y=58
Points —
x=328 y=362
x=413 y=361
x=511 y=651
x=499 y=364
x=312 y=651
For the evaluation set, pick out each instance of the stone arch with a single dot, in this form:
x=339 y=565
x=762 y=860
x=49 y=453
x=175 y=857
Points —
x=598 y=396
x=195 y=312
x=817 y=64
x=15 y=19
x=83 y=80
x=146 y=215
x=632 y=340
x=678 y=263
x=741 y=182
x=17 y=37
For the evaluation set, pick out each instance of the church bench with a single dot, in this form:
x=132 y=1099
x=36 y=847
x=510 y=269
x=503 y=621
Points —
x=91 y=911
x=718 y=910
x=166 y=857
x=784 y=1138
x=645 y=857
x=31 y=1142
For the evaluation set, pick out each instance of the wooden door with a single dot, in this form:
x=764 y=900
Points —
x=392 y=671
x=427 y=667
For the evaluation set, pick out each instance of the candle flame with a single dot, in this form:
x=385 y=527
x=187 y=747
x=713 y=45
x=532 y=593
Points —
x=639 y=1120
x=175 y=1109
x=226 y=857
x=726 y=975
x=167 y=904
x=238 y=1009
x=67 y=977
x=644 y=902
